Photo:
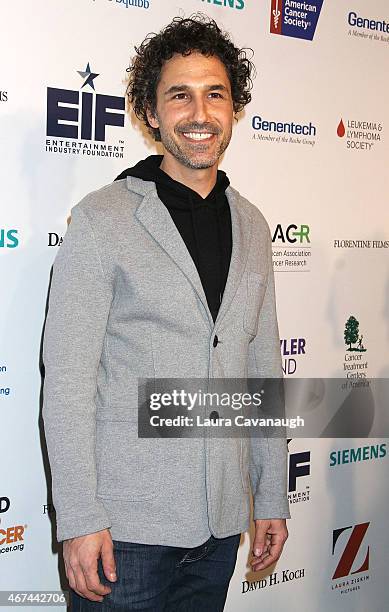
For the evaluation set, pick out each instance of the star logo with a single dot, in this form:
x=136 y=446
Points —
x=88 y=75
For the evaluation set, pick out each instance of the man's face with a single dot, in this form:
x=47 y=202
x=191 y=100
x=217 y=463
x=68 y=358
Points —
x=194 y=109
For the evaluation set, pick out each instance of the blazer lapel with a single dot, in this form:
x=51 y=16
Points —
x=155 y=217
x=241 y=239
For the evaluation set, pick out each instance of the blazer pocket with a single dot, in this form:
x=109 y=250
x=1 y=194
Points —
x=256 y=287
x=128 y=467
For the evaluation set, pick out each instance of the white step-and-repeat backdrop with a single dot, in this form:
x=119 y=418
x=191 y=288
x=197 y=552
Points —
x=311 y=151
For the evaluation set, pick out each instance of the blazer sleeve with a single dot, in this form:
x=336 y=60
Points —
x=79 y=304
x=268 y=460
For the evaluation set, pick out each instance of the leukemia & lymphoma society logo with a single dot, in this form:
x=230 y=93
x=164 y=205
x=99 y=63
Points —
x=359 y=135
x=352 y=554
x=77 y=121
x=296 y=19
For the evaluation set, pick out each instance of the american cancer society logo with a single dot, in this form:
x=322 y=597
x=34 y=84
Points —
x=296 y=19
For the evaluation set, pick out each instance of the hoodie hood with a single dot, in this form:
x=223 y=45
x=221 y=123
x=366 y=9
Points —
x=179 y=194
x=182 y=201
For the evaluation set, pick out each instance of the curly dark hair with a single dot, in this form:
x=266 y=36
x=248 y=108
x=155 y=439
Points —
x=197 y=33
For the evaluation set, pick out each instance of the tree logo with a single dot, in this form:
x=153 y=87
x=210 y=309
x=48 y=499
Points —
x=351 y=335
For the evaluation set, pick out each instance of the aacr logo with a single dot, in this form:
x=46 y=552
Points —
x=291 y=234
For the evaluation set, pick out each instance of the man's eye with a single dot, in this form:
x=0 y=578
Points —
x=215 y=94
x=179 y=95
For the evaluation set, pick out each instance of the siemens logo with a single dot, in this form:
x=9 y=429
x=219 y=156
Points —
x=287 y=128
x=353 y=455
x=237 y=4
x=8 y=239
x=369 y=24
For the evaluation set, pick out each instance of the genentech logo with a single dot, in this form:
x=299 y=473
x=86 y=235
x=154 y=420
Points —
x=295 y=19
x=77 y=121
x=348 y=552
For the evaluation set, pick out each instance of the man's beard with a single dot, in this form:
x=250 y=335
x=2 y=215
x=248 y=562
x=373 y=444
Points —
x=184 y=154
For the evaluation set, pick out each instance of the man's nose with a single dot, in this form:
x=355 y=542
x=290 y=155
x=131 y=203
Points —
x=200 y=110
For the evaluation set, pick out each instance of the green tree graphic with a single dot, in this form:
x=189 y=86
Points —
x=351 y=331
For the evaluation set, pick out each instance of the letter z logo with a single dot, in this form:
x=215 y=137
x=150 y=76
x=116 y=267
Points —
x=350 y=551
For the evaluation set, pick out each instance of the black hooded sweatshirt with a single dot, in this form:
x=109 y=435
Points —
x=204 y=224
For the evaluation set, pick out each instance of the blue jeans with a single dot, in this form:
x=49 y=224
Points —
x=156 y=578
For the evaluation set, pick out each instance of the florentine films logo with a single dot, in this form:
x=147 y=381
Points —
x=295 y=19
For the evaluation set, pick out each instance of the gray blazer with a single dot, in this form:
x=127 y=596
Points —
x=126 y=301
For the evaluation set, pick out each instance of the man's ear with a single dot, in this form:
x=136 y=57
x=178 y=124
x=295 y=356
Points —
x=151 y=118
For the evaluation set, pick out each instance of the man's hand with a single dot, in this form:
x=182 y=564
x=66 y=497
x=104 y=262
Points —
x=81 y=555
x=270 y=537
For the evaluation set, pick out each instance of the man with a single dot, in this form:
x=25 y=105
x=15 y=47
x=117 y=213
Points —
x=166 y=272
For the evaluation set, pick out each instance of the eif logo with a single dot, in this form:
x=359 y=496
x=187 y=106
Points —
x=348 y=551
x=83 y=115
x=296 y=19
x=298 y=466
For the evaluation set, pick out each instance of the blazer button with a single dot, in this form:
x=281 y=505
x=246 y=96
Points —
x=214 y=415
x=215 y=340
